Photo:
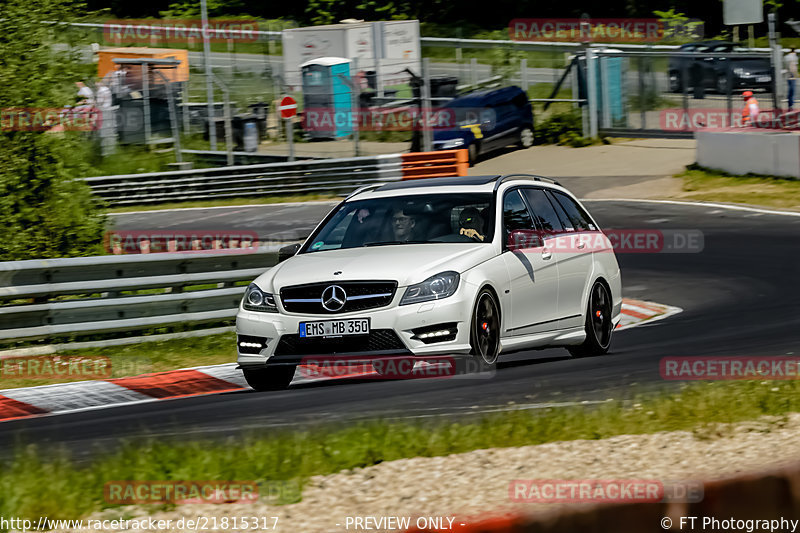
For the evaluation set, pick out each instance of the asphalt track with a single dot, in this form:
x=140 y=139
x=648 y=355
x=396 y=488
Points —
x=740 y=296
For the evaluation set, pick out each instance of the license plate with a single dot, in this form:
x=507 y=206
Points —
x=763 y=79
x=335 y=328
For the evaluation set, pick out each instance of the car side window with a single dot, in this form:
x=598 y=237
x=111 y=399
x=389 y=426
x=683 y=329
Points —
x=543 y=211
x=521 y=100
x=515 y=213
x=577 y=216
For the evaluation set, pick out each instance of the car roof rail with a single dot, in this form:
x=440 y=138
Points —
x=532 y=177
x=364 y=189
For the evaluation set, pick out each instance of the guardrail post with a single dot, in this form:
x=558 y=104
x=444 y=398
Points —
x=473 y=70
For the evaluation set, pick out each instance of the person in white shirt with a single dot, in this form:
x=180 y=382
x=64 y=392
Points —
x=790 y=60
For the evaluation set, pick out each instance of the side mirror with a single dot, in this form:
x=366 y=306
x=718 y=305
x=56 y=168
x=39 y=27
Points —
x=521 y=239
x=288 y=251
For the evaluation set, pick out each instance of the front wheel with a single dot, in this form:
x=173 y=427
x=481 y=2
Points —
x=484 y=335
x=598 y=324
x=269 y=378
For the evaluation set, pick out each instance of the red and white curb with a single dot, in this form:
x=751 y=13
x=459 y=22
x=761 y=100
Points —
x=79 y=396
x=638 y=312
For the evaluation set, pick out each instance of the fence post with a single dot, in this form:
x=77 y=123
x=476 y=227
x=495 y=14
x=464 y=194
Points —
x=212 y=126
x=591 y=91
x=603 y=62
x=146 y=103
x=427 y=141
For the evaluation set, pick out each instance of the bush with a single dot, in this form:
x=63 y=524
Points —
x=44 y=211
x=558 y=127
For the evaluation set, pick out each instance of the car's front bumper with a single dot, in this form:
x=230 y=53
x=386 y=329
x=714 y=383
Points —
x=400 y=320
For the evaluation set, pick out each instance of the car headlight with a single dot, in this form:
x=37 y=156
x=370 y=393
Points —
x=452 y=143
x=434 y=288
x=257 y=300
x=739 y=71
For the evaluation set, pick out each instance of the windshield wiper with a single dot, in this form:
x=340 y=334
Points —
x=385 y=243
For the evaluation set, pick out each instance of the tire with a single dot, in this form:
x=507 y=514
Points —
x=472 y=154
x=675 y=85
x=270 y=378
x=598 y=324
x=525 y=138
x=722 y=84
x=484 y=335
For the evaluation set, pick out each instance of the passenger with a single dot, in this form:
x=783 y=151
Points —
x=403 y=225
x=471 y=223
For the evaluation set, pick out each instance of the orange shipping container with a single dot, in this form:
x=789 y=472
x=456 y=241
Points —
x=106 y=63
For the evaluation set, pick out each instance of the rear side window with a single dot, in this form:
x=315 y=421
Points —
x=543 y=211
x=577 y=217
x=515 y=213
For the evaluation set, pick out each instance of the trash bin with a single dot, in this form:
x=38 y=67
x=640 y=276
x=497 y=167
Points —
x=443 y=86
x=372 y=79
x=261 y=111
x=245 y=132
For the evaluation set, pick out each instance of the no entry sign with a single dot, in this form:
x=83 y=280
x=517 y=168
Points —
x=288 y=107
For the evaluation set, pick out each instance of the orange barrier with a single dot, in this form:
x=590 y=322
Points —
x=434 y=164
x=764 y=495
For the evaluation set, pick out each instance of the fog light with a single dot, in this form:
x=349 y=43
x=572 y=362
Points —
x=436 y=333
x=252 y=345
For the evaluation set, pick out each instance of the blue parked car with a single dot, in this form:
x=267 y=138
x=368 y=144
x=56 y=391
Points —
x=486 y=121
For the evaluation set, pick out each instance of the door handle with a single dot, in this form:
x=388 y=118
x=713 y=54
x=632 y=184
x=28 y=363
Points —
x=581 y=245
x=546 y=254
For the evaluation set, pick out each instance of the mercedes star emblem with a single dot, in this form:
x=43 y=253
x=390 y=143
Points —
x=333 y=298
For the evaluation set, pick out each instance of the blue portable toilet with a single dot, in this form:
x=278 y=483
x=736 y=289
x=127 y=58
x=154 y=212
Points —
x=327 y=99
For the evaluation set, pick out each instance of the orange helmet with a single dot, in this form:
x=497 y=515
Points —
x=747 y=94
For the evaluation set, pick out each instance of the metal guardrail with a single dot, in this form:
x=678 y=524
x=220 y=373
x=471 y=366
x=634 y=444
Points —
x=93 y=295
x=338 y=175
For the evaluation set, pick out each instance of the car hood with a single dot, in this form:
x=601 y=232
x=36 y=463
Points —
x=751 y=65
x=407 y=264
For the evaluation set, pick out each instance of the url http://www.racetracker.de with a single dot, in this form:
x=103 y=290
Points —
x=197 y=523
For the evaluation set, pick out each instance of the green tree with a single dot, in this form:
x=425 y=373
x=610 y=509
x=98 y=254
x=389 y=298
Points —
x=44 y=211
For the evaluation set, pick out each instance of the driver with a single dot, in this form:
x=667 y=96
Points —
x=403 y=225
x=471 y=223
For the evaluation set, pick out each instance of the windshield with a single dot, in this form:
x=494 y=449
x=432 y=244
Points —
x=398 y=220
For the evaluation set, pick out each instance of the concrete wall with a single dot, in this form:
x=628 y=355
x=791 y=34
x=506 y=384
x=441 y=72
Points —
x=750 y=151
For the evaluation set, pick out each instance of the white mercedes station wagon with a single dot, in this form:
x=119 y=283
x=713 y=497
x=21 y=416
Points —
x=470 y=268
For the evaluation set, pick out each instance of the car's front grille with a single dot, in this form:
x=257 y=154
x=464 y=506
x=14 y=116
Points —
x=357 y=296
x=378 y=340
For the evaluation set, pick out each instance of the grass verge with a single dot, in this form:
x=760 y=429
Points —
x=127 y=360
x=36 y=482
x=715 y=185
